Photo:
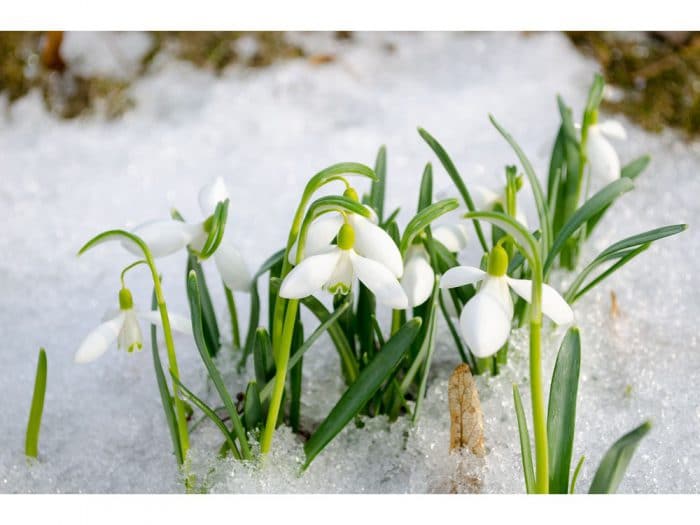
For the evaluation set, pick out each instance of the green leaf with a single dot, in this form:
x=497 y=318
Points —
x=336 y=172
x=595 y=97
x=426 y=350
x=262 y=356
x=423 y=219
x=523 y=239
x=456 y=179
x=209 y=412
x=368 y=383
x=31 y=444
x=209 y=322
x=378 y=188
x=216 y=233
x=633 y=169
x=561 y=415
x=537 y=192
x=252 y=408
x=196 y=313
x=577 y=471
x=592 y=206
x=295 y=377
x=525 y=448
x=614 y=464
x=165 y=396
x=623 y=251
x=425 y=194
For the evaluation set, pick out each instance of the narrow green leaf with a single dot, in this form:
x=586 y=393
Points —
x=427 y=348
x=633 y=169
x=262 y=357
x=425 y=194
x=378 y=188
x=577 y=471
x=525 y=448
x=456 y=180
x=209 y=412
x=423 y=219
x=540 y=201
x=523 y=239
x=368 y=383
x=209 y=322
x=31 y=444
x=216 y=233
x=166 y=398
x=561 y=415
x=614 y=464
x=252 y=408
x=196 y=313
x=295 y=377
x=592 y=206
x=644 y=238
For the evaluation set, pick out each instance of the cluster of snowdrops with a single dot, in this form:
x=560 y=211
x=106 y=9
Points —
x=346 y=258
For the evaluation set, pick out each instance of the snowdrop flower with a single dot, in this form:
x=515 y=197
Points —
x=165 y=237
x=452 y=236
x=486 y=319
x=418 y=276
x=363 y=251
x=124 y=327
x=602 y=157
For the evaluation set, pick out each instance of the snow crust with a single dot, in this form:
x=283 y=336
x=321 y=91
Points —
x=266 y=132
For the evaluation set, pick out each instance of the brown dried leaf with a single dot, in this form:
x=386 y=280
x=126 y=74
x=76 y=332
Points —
x=466 y=418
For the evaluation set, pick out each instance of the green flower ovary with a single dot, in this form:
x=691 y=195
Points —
x=498 y=262
x=126 y=301
x=346 y=237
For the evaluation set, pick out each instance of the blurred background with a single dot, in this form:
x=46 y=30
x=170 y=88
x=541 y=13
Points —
x=655 y=76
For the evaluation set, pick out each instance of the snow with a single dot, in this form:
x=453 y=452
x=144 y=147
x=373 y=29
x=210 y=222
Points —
x=266 y=131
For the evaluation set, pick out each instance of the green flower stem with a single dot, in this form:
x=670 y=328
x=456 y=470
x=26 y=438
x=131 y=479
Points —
x=235 y=331
x=160 y=298
x=172 y=358
x=281 y=363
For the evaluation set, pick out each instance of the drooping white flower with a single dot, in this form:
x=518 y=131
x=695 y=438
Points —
x=453 y=236
x=418 y=275
x=486 y=318
x=601 y=155
x=165 y=237
x=123 y=326
x=363 y=251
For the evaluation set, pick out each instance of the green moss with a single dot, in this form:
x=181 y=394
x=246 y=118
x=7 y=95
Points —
x=659 y=76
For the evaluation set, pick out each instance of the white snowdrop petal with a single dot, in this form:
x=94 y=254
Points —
x=461 y=276
x=602 y=158
x=211 y=194
x=484 y=198
x=520 y=217
x=310 y=275
x=163 y=237
x=418 y=276
x=130 y=337
x=374 y=243
x=452 y=236
x=485 y=324
x=613 y=129
x=380 y=280
x=97 y=341
x=342 y=276
x=231 y=266
x=553 y=304
x=319 y=236
x=179 y=323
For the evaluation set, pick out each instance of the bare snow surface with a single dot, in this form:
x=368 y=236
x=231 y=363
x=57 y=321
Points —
x=266 y=131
